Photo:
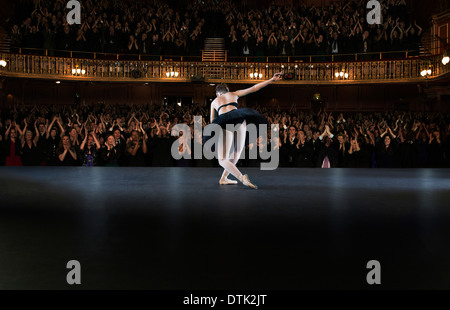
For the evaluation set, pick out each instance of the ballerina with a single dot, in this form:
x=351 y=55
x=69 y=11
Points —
x=224 y=110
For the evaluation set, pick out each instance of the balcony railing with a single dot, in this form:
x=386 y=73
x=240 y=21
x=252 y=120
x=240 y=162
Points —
x=361 y=71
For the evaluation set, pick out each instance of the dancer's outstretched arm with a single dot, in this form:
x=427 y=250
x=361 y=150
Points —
x=255 y=88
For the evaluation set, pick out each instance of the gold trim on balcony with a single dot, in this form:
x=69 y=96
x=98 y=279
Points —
x=370 y=71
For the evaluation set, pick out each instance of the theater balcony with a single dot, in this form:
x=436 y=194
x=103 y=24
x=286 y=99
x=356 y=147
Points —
x=375 y=68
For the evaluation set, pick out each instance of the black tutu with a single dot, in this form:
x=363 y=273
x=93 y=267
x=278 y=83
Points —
x=237 y=116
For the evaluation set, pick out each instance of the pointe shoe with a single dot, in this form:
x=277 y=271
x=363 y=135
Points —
x=227 y=181
x=245 y=180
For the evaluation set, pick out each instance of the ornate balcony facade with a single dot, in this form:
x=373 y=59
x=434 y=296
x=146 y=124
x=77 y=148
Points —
x=404 y=70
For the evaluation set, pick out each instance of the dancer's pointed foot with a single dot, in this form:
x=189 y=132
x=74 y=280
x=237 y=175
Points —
x=227 y=181
x=246 y=181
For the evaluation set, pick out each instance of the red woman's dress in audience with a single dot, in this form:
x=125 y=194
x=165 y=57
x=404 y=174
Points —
x=13 y=159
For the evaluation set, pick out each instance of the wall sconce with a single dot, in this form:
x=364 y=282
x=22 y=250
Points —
x=426 y=73
x=445 y=59
x=341 y=75
x=172 y=74
x=3 y=63
x=78 y=71
x=256 y=75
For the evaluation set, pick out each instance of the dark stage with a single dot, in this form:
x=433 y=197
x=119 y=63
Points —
x=177 y=228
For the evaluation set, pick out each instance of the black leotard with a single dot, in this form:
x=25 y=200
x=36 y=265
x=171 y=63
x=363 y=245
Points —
x=232 y=103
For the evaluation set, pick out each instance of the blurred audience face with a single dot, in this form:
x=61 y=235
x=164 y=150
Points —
x=66 y=141
x=135 y=136
x=387 y=141
x=28 y=136
x=41 y=128
x=77 y=128
x=117 y=134
x=53 y=133
x=73 y=133
x=90 y=141
x=292 y=131
x=111 y=141
x=301 y=135
x=12 y=133
x=316 y=135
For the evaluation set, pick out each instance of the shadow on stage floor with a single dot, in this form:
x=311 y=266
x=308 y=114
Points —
x=177 y=228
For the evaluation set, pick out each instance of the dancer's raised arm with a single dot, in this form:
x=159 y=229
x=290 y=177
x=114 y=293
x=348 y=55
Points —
x=257 y=87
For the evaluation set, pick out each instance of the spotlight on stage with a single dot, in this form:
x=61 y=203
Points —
x=3 y=63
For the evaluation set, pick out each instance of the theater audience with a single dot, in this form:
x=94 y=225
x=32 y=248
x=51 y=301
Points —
x=340 y=28
x=183 y=149
x=111 y=153
x=111 y=26
x=304 y=154
x=124 y=135
x=89 y=149
x=136 y=148
x=66 y=153
x=165 y=28
x=30 y=155
x=328 y=155
x=12 y=144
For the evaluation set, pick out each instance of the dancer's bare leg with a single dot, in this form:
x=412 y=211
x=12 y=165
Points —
x=224 y=180
x=224 y=149
x=229 y=164
x=236 y=155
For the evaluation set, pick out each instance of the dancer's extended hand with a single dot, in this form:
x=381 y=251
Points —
x=277 y=76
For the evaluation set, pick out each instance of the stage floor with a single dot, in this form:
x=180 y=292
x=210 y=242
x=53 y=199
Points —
x=177 y=228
